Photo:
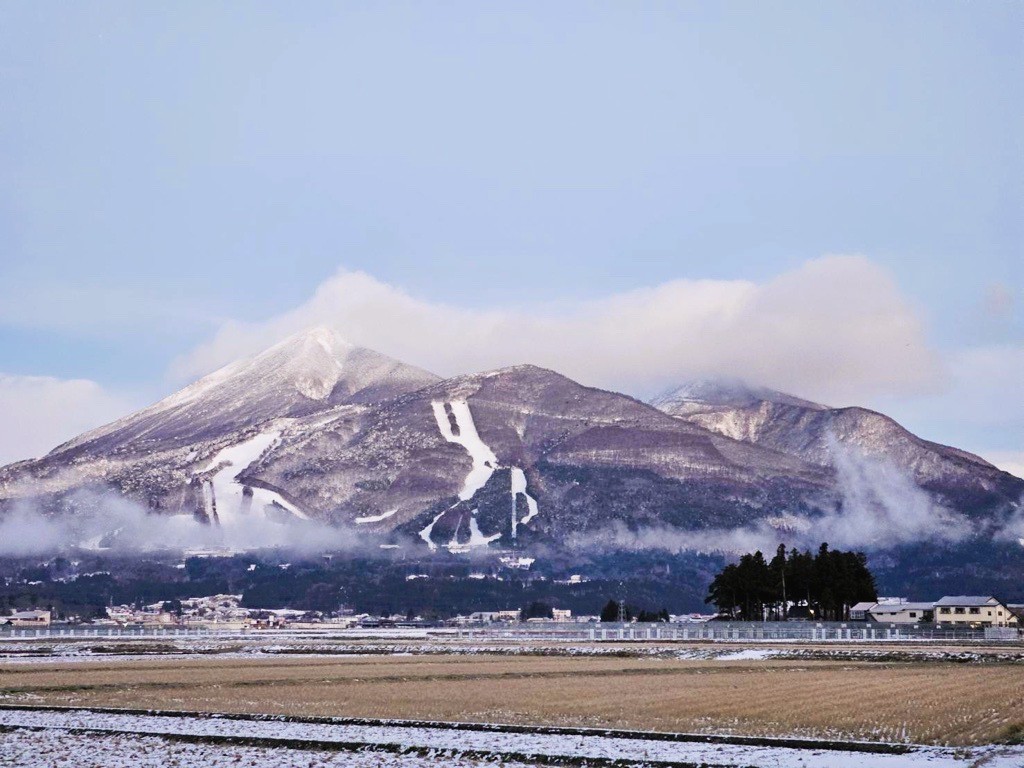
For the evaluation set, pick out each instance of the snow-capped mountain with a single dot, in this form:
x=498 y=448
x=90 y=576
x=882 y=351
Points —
x=317 y=429
x=524 y=453
x=817 y=433
x=161 y=455
x=304 y=374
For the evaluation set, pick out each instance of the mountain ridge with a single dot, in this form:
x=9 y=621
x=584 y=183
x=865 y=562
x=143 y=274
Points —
x=522 y=456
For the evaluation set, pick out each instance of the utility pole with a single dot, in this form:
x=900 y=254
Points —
x=785 y=605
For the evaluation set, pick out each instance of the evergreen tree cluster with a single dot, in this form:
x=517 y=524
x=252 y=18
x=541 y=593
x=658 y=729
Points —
x=821 y=586
x=612 y=609
x=536 y=610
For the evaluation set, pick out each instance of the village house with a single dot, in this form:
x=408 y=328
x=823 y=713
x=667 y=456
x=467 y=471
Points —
x=859 y=612
x=902 y=613
x=974 y=610
x=892 y=610
x=489 y=617
x=29 y=619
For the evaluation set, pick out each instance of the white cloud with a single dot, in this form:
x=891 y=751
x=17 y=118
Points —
x=38 y=413
x=836 y=328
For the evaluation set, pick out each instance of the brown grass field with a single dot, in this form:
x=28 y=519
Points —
x=937 y=703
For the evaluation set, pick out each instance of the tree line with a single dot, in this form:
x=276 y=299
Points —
x=616 y=611
x=793 y=584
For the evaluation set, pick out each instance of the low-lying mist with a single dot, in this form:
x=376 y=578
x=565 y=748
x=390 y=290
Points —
x=877 y=506
x=109 y=522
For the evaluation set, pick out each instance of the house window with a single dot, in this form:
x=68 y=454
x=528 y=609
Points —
x=958 y=609
x=945 y=610
x=975 y=610
x=913 y=614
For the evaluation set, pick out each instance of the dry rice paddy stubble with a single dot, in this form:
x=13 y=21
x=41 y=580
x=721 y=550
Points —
x=920 y=702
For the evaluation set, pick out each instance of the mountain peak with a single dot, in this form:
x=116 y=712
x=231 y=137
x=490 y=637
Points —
x=694 y=394
x=310 y=371
x=321 y=335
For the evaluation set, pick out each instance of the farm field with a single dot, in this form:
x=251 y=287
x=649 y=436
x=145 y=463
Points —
x=937 y=702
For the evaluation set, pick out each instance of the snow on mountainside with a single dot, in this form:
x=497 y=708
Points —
x=525 y=454
x=317 y=429
x=696 y=395
x=156 y=456
x=303 y=374
x=817 y=433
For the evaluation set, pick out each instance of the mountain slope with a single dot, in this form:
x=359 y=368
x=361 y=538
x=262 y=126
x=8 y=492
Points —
x=304 y=374
x=154 y=456
x=527 y=453
x=823 y=435
x=316 y=429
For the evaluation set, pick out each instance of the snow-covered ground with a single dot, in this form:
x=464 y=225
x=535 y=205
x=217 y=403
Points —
x=61 y=749
x=430 y=739
x=334 y=641
x=749 y=654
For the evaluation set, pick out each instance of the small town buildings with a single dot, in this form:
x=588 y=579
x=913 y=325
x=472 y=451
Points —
x=902 y=613
x=29 y=619
x=974 y=610
x=489 y=617
x=859 y=612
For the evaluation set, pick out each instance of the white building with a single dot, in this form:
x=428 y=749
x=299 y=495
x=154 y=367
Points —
x=488 y=617
x=29 y=619
x=902 y=613
x=859 y=612
x=974 y=610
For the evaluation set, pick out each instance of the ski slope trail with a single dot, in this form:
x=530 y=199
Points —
x=456 y=425
x=229 y=502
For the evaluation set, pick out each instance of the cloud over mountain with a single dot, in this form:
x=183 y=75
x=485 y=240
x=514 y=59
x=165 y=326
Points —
x=38 y=412
x=835 y=328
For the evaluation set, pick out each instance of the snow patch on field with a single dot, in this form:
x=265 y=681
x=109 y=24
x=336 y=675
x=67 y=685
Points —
x=430 y=739
x=61 y=749
x=750 y=654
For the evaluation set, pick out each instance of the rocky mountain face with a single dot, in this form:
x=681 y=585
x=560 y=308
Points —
x=824 y=436
x=315 y=429
x=154 y=456
x=526 y=455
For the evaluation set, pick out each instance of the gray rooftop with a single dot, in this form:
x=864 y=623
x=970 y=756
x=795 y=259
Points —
x=899 y=607
x=969 y=600
x=863 y=606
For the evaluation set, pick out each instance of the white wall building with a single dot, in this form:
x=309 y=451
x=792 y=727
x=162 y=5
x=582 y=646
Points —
x=976 y=610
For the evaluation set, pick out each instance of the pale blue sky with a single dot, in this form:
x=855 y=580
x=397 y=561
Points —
x=169 y=166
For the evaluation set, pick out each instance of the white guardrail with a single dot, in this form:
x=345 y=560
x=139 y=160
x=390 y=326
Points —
x=567 y=632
